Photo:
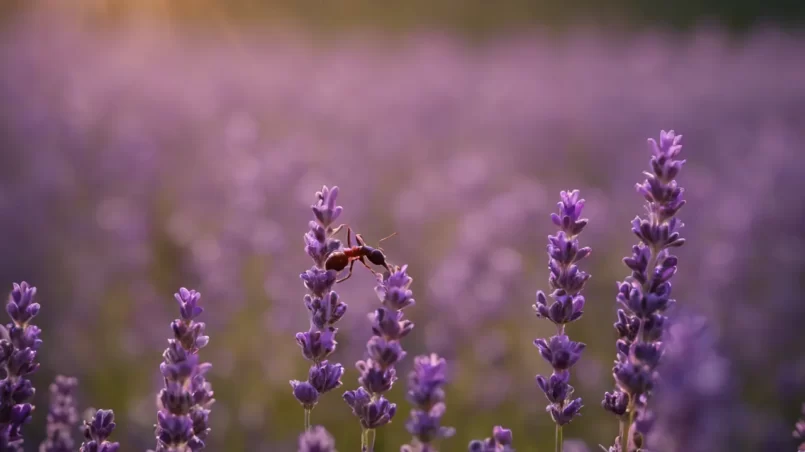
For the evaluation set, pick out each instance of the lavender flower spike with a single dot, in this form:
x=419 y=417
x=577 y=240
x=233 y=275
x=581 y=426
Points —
x=19 y=342
x=645 y=294
x=323 y=304
x=501 y=441
x=567 y=282
x=377 y=372
x=184 y=403
x=426 y=394
x=97 y=431
x=63 y=416
x=316 y=439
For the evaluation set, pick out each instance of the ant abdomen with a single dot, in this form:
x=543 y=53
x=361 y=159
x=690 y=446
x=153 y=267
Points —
x=376 y=257
x=336 y=261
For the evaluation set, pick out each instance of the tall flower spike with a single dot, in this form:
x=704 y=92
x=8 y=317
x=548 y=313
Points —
x=501 y=441
x=323 y=304
x=97 y=431
x=425 y=393
x=377 y=372
x=645 y=294
x=19 y=342
x=567 y=306
x=62 y=417
x=185 y=401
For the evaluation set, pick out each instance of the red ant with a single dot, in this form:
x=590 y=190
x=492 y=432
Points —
x=347 y=256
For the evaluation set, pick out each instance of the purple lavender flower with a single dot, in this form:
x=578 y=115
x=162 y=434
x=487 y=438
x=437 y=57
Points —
x=694 y=407
x=501 y=441
x=19 y=342
x=316 y=439
x=377 y=372
x=185 y=401
x=97 y=431
x=567 y=282
x=799 y=430
x=645 y=295
x=322 y=302
x=62 y=417
x=426 y=394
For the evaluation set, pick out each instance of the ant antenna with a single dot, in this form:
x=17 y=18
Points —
x=387 y=237
x=384 y=238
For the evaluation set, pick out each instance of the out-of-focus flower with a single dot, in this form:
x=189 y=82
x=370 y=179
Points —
x=62 y=416
x=316 y=439
x=694 y=403
x=425 y=393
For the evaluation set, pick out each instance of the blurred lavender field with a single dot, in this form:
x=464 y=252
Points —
x=141 y=159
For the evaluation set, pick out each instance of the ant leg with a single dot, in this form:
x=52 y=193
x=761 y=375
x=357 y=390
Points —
x=348 y=274
x=359 y=240
x=349 y=237
x=363 y=261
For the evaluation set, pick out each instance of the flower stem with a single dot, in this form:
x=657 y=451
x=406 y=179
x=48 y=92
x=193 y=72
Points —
x=559 y=439
x=628 y=430
x=363 y=440
x=370 y=439
x=307 y=419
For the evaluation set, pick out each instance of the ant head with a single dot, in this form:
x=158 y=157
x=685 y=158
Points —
x=376 y=257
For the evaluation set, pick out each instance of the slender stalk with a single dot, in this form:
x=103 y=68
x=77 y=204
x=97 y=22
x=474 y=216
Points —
x=628 y=430
x=363 y=440
x=307 y=419
x=370 y=439
x=559 y=439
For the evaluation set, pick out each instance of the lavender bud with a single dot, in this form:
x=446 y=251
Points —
x=317 y=345
x=390 y=324
x=559 y=351
x=384 y=353
x=371 y=413
x=393 y=289
x=305 y=393
x=325 y=312
x=374 y=378
x=325 y=209
x=325 y=377
x=563 y=415
x=97 y=431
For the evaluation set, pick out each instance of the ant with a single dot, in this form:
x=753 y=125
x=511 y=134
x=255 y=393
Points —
x=339 y=260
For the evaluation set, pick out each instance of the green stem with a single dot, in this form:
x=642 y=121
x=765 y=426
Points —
x=363 y=440
x=370 y=439
x=559 y=439
x=628 y=430
x=307 y=419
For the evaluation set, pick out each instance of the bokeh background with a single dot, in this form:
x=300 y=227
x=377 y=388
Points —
x=155 y=144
